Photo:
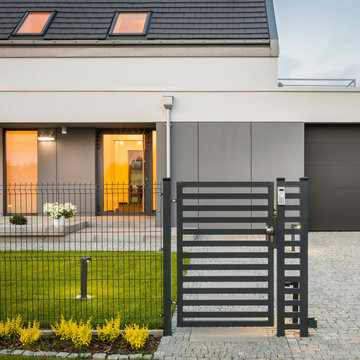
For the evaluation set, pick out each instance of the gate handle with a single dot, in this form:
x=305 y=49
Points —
x=269 y=229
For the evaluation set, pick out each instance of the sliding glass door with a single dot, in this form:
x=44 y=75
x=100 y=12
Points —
x=21 y=149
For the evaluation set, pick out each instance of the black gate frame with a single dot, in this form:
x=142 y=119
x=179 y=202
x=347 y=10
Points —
x=286 y=225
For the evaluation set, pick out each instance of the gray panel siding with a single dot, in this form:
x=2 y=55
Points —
x=76 y=163
x=224 y=155
x=184 y=155
x=46 y=162
x=184 y=151
x=160 y=164
x=160 y=152
x=277 y=151
x=333 y=167
x=76 y=156
x=224 y=151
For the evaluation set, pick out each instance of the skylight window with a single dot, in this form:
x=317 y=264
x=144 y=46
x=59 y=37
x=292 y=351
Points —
x=34 y=23
x=133 y=23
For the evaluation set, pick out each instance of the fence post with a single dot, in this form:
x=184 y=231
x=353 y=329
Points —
x=280 y=182
x=167 y=255
x=304 y=331
x=297 y=285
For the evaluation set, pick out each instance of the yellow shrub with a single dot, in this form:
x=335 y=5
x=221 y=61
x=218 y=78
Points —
x=111 y=331
x=30 y=334
x=11 y=327
x=79 y=334
x=136 y=336
x=64 y=328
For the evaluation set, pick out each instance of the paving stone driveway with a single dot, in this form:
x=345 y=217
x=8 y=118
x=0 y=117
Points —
x=334 y=299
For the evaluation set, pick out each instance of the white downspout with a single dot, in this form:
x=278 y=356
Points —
x=167 y=102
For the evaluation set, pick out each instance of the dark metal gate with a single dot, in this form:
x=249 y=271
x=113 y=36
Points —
x=225 y=244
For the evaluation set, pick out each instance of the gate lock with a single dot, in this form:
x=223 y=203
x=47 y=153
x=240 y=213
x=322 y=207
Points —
x=270 y=231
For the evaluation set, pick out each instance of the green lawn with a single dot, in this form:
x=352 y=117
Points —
x=43 y=285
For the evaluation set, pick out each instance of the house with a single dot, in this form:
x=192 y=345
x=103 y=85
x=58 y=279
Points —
x=88 y=87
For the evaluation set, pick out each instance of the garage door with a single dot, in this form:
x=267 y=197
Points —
x=332 y=163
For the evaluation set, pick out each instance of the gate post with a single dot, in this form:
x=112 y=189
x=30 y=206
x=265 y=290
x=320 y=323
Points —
x=295 y=285
x=167 y=300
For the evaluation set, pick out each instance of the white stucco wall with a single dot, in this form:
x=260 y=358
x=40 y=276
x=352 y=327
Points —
x=95 y=90
x=146 y=73
x=141 y=106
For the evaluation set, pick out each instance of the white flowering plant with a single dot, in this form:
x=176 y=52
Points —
x=56 y=210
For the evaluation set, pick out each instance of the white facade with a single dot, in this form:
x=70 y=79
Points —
x=113 y=90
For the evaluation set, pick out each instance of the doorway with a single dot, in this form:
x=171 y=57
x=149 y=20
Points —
x=124 y=172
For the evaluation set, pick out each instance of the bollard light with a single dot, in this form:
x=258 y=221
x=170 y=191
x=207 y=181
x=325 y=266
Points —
x=83 y=278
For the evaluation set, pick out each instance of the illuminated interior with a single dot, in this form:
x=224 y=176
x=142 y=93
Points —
x=124 y=173
x=34 y=23
x=130 y=23
x=21 y=170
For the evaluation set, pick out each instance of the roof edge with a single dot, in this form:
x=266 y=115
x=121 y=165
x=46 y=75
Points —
x=133 y=42
x=271 y=19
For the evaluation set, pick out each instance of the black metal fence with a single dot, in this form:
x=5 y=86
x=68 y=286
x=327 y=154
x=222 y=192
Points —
x=105 y=260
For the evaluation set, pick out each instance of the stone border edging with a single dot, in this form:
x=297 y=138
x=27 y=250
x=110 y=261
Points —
x=98 y=356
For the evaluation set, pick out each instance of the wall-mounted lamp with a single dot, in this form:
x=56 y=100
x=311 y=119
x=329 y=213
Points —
x=46 y=135
x=64 y=130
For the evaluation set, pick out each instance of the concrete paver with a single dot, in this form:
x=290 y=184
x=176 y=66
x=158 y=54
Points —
x=334 y=300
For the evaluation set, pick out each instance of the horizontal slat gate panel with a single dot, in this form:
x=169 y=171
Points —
x=226 y=278
x=225 y=196
x=224 y=220
x=225 y=243
x=230 y=314
x=214 y=255
x=217 y=265
x=225 y=267
x=225 y=290
x=225 y=302
x=223 y=231
x=227 y=323
x=224 y=208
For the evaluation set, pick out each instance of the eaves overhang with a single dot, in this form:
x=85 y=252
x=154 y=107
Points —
x=132 y=42
x=138 y=48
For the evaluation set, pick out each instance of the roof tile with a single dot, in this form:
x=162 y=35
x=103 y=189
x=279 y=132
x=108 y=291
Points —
x=195 y=19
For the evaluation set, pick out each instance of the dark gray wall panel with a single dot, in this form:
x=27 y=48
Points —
x=160 y=164
x=76 y=164
x=184 y=151
x=47 y=162
x=224 y=155
x=277 y=151
x=224 y=151
x=160 y=152
x=184 y=155
x=76 y=156
x=332 y=163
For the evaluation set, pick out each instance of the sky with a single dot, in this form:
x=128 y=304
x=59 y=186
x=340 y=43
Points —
x=319 y=38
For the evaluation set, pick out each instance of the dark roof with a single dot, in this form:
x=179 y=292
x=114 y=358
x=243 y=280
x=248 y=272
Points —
x=170 y=19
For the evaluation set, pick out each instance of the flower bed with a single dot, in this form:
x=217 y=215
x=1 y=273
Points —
x=52 y=343
x=78 y=337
